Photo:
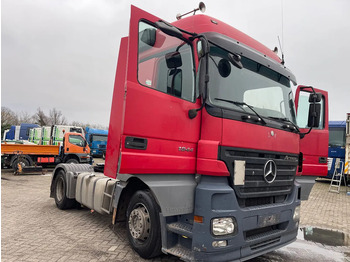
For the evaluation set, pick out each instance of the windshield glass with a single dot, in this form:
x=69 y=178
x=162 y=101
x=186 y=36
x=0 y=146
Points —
x=336 y=136
x=101 y=138
x=266 y=91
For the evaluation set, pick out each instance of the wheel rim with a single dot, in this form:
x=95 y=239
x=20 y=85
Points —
x=139 y=223
x=59 y=189
x=21 y=163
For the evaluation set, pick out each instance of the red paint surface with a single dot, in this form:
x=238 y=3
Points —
x=245 y=135
x=138 y=110
x=117 y=113
x=202 y=23
x=315 y=144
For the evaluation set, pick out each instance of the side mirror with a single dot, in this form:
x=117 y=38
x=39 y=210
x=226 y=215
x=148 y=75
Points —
x=315 y=97
x=173 y=60
x=149 y=36
x=314 y=115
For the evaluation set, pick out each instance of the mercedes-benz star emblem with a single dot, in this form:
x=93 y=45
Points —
x=270 y=171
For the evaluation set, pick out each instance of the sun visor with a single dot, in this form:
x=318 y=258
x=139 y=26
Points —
x=236 y=47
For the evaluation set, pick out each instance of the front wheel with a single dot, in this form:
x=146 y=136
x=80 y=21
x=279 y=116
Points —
x=143 y=226
x=59 y=191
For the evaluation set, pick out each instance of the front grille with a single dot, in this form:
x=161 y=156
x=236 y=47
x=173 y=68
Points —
x=256 y=191
x=265 y=243
x=264 y=232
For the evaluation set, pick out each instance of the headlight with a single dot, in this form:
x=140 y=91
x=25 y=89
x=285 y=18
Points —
x=223 y=226
x=296 y=215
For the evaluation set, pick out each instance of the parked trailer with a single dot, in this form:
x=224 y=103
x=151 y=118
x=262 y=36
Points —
x=20 y=132
x=207 y=172
x=13 y=133
x=37 y=135
x=5 y=134
x=46 y=133
x=74 y=150
x=58 y=131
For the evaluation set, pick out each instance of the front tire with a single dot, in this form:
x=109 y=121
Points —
x=143 y=226
x=59 y=191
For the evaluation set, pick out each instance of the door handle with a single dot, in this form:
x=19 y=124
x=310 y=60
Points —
x=135 y=143
x=322 y=160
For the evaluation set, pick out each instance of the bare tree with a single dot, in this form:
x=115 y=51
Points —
x=84 y=125
x=40 y=118
x=24 y=117
x=8 y=117
x=77 y=123
x=56 y=117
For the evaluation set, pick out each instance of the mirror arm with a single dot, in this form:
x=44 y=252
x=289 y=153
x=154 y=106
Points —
x=192 y=113
x=302 y=135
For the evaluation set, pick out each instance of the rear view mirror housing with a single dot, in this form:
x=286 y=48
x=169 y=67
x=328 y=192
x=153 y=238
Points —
x=315 y=97
x=149 y=36
x=173 y=60
x=314 y=115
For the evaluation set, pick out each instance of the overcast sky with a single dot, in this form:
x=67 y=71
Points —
x=63 y=53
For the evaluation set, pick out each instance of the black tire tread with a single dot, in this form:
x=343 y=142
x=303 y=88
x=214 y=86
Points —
x=152 y=247
x=65 y=203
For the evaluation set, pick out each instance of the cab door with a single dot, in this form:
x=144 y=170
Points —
x=314 y=146
x=158 y=136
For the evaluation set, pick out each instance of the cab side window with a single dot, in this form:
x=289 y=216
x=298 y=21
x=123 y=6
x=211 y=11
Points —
x=76 y=140
x=165 y=63
x=303 y=111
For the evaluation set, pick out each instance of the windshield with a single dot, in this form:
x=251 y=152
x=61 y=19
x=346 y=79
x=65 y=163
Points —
x=101 y=138
x=256 y=86
x=337 y=136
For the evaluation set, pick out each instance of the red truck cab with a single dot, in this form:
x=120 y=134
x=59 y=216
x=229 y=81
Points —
x=242 y=147
x=203 y=144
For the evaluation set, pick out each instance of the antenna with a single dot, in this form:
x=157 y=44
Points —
x=282 y=62
x=201 y=7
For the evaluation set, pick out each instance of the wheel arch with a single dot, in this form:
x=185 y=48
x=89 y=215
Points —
x=174 y=194
x=123 y=193
x=71 y=156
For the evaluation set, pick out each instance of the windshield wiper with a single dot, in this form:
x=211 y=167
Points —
x=284 y=119
x=241 y=104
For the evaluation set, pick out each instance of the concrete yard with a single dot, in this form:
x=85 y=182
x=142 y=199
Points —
x=33 y=229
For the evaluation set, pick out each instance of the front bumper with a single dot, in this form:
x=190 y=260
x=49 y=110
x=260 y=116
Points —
x=255 y=234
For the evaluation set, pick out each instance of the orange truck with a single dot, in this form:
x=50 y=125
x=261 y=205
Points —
x=74 y=149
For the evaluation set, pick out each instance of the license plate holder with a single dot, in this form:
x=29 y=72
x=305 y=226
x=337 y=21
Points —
x=268 y=220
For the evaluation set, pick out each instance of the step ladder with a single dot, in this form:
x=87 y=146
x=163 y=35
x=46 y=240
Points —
x=107 y=198
x=337 y=176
